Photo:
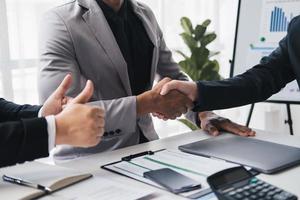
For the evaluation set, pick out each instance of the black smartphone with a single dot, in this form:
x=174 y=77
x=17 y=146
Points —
x=172 y=180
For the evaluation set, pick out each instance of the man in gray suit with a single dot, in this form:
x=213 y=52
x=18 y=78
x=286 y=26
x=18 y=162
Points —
x=119 y=46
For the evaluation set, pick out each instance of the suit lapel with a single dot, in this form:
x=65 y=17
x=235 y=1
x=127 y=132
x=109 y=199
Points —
x=96 y=20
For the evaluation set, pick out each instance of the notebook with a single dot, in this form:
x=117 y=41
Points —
x=54 y=177
x=263 y=156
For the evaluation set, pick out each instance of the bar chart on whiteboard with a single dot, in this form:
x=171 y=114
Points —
x=259 y=35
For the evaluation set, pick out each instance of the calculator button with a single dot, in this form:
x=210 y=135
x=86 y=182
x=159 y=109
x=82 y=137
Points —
x=260 y=182
x=272 y=187
x=247 y=187
x=265 y=185
x=232 y=193
x=254 y=181
x=253 y=191
x=246 y=193
x=259 y=188
x=271 y=193
x=253 y=197
x=238 y=196
x=261 y=194
x=277 y=190
x=268 y=198
x=239 y=190
x=265 y=190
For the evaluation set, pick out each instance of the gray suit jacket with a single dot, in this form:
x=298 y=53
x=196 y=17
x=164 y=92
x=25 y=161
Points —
x=76 y=39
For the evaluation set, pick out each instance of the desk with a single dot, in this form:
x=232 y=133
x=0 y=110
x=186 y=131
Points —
x=288 y=180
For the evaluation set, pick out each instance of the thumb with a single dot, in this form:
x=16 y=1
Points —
x=173 y=85
x=86 y=94
x=212 y=130
x=161 y=83
x=64 y=86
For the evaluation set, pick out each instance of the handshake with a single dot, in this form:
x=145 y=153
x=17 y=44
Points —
x=168 y=99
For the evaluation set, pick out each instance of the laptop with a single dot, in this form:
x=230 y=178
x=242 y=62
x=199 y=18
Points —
x=265 y=157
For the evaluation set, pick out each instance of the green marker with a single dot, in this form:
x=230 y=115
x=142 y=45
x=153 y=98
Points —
x=262 y=39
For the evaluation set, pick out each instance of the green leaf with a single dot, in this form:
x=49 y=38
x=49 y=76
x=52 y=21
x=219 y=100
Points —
x=189 y=124
x=187 y=25
x=199 y=32
x=208 y=39
x=216 y=66
x=189 y=41
x=189 y=67
x=206 y=23
x=182 y=54
x=200 y=56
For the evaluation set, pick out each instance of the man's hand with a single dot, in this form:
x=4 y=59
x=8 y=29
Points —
x=58 y=99
x=210 y=122
x=80 y=125
x=76 y=124
x=171 y=106
x=213 y=124
x=185 y=87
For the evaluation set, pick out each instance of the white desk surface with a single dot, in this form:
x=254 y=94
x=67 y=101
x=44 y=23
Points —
x=288 y=180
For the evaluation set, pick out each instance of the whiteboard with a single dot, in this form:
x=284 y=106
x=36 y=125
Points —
x=261 y=25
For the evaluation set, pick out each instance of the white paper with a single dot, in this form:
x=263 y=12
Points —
x=102 y=188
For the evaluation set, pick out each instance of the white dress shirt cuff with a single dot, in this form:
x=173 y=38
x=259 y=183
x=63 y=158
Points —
x=51 y=128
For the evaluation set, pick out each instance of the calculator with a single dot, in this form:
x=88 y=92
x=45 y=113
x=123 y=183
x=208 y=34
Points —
x=239 y=184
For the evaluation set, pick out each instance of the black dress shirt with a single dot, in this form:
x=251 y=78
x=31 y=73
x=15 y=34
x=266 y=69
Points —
x=135 y=45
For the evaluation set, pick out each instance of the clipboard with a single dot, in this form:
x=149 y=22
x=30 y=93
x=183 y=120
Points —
x=133 y=166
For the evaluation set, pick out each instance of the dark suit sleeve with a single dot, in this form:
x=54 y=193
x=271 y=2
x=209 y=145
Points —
x=21 y=138
x=12 y=112
x=258 y=83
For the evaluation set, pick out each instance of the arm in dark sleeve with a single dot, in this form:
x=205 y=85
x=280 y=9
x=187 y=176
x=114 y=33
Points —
x=255 y=85
x=23 y=140
x=12 y=112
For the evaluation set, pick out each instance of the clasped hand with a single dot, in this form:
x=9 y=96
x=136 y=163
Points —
x=178 y=96
x=168 y=106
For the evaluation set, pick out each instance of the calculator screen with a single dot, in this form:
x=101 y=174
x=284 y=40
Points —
x=231 y=177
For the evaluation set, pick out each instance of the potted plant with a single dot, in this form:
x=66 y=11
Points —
x=199 y=64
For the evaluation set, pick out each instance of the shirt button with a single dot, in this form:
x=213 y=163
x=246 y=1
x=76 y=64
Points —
x=111 y=132
x=118 y=131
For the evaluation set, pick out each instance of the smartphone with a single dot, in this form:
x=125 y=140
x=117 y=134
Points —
x=172 y=180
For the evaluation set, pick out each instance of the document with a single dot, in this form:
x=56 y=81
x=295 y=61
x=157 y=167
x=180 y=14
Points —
x=195 y=167
x=102 y=188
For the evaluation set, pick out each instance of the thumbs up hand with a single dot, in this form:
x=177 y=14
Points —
x=76 y=124
x=58 y=100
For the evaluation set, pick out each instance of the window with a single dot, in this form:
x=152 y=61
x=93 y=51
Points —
x=19 y=21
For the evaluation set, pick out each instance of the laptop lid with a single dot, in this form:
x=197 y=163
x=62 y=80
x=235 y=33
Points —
x=263 y=156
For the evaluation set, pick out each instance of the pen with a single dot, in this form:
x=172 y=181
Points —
x=129 y=158
x=25 y=183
